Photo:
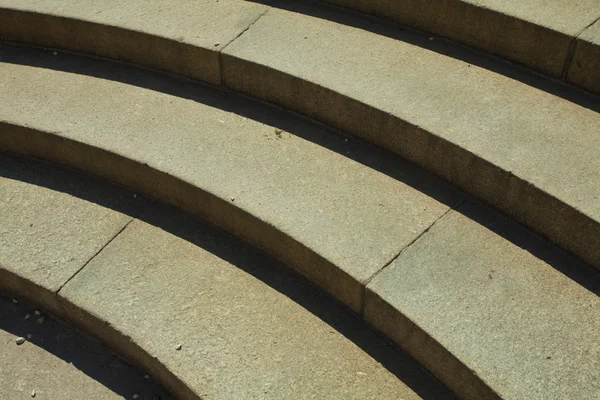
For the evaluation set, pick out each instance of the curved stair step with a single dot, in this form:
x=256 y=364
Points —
x=529 y=152
x=59 y=362
x=202 y=313
x=328 y=216
x=540 y=34
x=313 y=199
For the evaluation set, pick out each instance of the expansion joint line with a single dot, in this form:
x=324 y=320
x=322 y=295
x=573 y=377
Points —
x=402 y=251
x=95 y=254
x=572 y=46
x=220 y=53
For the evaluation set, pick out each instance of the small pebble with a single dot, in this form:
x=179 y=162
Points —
x=217 y=44
x=27 y=316
x=134 y=195
x=29 y=336
x=147 y=376
x=37 y=312
x=40 y=320
x=15 y=301
x=178 y=347
x=233 y=199
x=20 y=340
x=345 y=140
x=430 y=38
x=33 y=393
x=136 y=396
x=55 y=53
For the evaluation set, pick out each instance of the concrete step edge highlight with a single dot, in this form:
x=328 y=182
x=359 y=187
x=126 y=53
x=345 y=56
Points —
x=523 y=200
x=534 y=38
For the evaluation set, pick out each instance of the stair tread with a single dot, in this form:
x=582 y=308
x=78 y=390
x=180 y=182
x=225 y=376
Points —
x=503 y=310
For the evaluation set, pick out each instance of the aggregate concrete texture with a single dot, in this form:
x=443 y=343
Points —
x=536 y=33
x=47 y=234
x=225 y=320
x=526 y=151
x=334 y=219
x=502 y=308
x=58 y=362
x=180 y=36
x=585 y=67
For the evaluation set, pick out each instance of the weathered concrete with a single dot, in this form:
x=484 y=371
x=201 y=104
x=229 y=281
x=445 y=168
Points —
x=58 y=362
x=48 y=234
x=585 y=67
x=335 y=220
x=477 y=308
x=225 y=319
x=534 y=155
x=180 y=36
x=536 y=33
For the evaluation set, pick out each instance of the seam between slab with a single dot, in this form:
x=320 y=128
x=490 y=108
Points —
x=572 y=46
x=220 y=52
x=402 y=251
x=95 y=254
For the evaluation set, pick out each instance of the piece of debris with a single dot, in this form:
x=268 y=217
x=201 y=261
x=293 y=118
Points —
x=233 y=199
x=33 y=393
x=179 y=346
x=27 y=316
x=55 y=53
x=15 y=301
x=146 y=376
x=19 y=341
x=136 y=396
x=37 y=312
x=40 y=320
x=217 y=44
x=278 y=133
x=29 y=336
x=134 y=195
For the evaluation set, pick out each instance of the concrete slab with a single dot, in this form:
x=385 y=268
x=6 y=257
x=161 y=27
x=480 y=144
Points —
x=329 y=207
x=487 y=306
x=585 y=66
x=59 y=362
x=182 y=36
x=528 y=152
x=52 y=225
x=536 y=33
x=227 y=321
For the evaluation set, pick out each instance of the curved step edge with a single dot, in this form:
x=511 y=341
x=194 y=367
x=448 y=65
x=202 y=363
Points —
x=119 y=342
x=560 y=222
x=540 y=45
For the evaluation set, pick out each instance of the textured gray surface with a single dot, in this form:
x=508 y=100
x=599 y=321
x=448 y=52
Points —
x=245 y=328
x=585 y=67
x=59 y=362
x=525 y=328
x=47 y=233
x=334 y=219
x=181 y=36
x=536 y=33
x=531 y=153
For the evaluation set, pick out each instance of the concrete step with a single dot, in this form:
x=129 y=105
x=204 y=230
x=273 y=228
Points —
x=202 y=313
x=59 y=362
x=342 y=214
x=524 y=144
x=541 y=34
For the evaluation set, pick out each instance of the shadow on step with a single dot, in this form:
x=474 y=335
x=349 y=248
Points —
x=32 y=368
x=219 y=98
x=226 y=247
x=439 y=45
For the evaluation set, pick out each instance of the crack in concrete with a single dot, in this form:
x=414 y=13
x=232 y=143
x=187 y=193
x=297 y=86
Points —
x=95 y=254
x=402 y=251
x=220 y=52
